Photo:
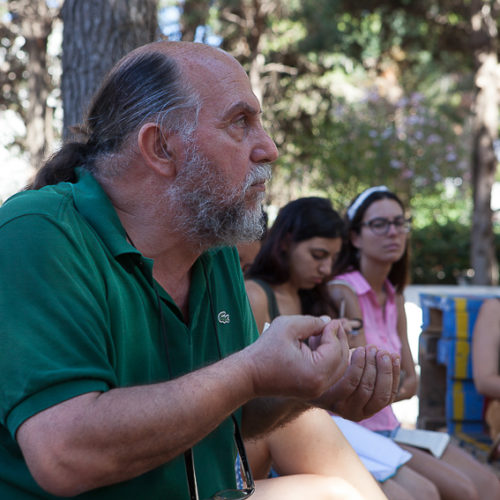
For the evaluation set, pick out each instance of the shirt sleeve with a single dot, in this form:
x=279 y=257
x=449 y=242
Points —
x=53 y=332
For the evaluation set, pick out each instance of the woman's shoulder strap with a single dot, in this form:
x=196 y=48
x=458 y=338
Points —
x=271 y=297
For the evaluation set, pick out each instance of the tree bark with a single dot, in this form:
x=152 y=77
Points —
x=194 y=14
x=249 y=19
x=34 y=22
x=97 y=34
x=485 y=133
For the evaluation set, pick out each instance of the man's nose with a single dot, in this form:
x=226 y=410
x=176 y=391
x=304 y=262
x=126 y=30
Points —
x=265 y=151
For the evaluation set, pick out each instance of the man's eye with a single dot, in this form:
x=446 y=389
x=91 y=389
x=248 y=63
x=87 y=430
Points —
x=241 y=121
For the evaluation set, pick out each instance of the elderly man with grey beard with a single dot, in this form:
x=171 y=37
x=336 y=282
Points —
x=130 y=357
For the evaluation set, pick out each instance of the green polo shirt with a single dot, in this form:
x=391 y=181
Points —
x=79 y=313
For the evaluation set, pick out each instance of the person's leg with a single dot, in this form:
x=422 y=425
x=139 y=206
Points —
x=298 y=486
x=485 y=480
x=452 y=483
x=313 y=444
x=492 y=418
x=413 y=484
x=305 y=486
x=259 y=456
x=393 y=491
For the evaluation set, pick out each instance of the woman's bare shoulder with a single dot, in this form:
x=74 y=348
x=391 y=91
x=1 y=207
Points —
x=489 y=314
x=256 y=294
x=341 y=290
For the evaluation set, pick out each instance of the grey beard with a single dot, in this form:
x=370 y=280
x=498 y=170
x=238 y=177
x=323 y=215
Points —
x=207 y=213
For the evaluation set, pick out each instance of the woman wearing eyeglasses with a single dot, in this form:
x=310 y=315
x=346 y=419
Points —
x=369 y=279
x=288 y=276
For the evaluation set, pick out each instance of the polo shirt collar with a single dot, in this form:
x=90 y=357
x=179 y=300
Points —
x=95 y=206
x=364 y=287
x=391 y=291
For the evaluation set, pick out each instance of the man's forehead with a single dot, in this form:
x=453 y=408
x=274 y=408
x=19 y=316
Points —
x=227 y=102
x=250 y=108
x=184 y=49
x=223 y=84
x=217 y=76
x=192 y=57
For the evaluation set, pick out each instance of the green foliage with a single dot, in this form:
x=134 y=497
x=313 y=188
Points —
x=410 y=145
x=337 y=100
x=440 y=253
x=354 y=93
x=440 y=238
x=451 y=201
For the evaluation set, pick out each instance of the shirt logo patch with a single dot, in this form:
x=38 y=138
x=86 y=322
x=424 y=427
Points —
x=223 y=317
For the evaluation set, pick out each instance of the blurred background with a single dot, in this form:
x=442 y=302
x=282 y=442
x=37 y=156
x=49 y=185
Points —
x=396 y=92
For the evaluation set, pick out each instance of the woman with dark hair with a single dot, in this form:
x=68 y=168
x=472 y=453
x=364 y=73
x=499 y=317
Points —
x=296 y=259
x=369 y=279
x=289 y=276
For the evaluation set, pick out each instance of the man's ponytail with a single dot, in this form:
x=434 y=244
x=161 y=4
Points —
x=61 y=166
x=143 y=86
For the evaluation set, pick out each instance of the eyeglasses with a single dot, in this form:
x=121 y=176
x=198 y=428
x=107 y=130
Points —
x=380 y=225
x=231 y=494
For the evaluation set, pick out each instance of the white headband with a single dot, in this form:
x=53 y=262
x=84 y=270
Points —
x=351 y=211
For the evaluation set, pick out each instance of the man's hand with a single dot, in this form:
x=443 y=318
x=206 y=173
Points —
x=283 y=364
x=369 y=384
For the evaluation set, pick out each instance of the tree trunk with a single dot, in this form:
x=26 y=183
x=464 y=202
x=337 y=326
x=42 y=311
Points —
x=35 y=21
x=250 y=20
x=485 y=133
x=96 y=35
x=194 y=14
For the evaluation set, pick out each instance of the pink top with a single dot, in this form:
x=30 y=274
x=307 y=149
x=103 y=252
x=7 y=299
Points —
x=380 y=329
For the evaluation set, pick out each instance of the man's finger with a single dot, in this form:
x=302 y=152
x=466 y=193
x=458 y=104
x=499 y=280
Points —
x=368 y=380
x=305 y=326
x=396 y=373
x=332 y=332
x=350 y=381
x=341 y=333
x=383 y=390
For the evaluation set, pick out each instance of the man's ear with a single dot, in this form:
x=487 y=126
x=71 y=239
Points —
x=158 y=149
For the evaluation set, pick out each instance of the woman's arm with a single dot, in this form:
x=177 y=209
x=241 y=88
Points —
x=408 y=387
x=485 y=349
x=346 y=302
x=259 y=303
